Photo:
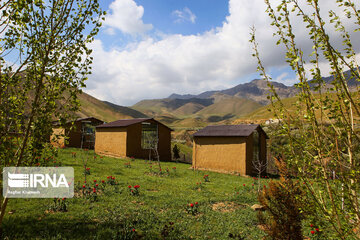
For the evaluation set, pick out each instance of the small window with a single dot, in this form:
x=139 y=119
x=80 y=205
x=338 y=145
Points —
x=149 y=136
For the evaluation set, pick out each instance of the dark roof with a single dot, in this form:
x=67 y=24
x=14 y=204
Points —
x=57 y=123
x=242 y=130
x=127 y=122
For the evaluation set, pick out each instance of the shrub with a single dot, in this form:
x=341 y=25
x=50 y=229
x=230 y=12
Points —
x=283 y=215
x=134 y=190
x=192 y=208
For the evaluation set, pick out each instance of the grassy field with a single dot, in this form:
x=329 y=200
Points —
x=158 y=212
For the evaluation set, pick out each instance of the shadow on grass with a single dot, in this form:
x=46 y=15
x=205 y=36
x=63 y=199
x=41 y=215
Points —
x=111 y=225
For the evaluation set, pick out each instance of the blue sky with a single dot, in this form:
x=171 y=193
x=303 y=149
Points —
x=150 y=49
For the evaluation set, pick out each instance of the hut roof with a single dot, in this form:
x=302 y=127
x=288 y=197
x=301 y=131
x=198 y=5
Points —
x=242 y=130
x=57 y=123
x=127 y=122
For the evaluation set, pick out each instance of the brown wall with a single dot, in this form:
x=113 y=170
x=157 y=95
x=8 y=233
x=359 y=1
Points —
x=111 y=141
x=55 y=139
x=126 y=142
x=75 y=134
x=249 y=155
x=134 y=142
x=227 y=154
x=263 y=148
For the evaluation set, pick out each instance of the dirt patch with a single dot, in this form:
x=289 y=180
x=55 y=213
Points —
x=226 y=206
x=152 y=190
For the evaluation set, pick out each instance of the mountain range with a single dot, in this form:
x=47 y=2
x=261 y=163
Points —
x=222 y=106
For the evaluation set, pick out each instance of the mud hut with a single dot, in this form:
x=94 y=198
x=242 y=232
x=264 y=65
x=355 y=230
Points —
x=140 y=138
x=229 y=148
x=80 y=133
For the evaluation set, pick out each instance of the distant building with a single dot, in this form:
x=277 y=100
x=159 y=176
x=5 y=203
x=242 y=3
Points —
x=229 y=148
x=134 y=138
x=79 y=135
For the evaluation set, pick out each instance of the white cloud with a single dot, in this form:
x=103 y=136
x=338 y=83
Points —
x=126 y=16
x=184 y=15
x=176 y=63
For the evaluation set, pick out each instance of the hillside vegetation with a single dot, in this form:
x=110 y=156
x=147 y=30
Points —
x=105 y=111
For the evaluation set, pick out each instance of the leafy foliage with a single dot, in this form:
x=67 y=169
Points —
x=50 y=41
x=322 y=135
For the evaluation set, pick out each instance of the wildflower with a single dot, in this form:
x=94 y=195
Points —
x=94 y=180
x=94 y=190
x=97 y=185
x=311 y=225
x=136 y=186
x=83 y=186
x=129 y=186
x=191 y=205
x=317 y=229
x=312 y=232
x=196 y=203
x=244 y=184
x=102 y=181
x=133 y=229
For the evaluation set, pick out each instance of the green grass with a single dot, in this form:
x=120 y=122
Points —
x=157 y=213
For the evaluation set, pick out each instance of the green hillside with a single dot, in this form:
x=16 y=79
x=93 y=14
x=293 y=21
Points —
x=167 y=106
x=108 y=112
x=188 y=109
x=263 y=113
x=234 y=106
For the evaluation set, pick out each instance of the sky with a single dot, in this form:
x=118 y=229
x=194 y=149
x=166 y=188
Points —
x=149 y=49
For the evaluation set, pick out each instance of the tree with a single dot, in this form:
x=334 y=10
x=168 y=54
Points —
x=48 y=40
x=322 y=132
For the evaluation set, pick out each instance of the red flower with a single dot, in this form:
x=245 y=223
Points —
x=102 y=181
x=311 y=225
x=317 y=229
x=136 y=186
x=129 y=186
x=244 y=184
x=94 y=190
x=196 y=203
x=252 y=184
x=108 y=177
x=94 y=180
x=97 y=185
x=191 y=205
x=63 y=199
x=83 y=186
x=113 y=178
x=133 y=229
x=312 y=232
